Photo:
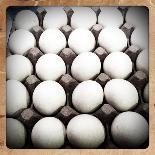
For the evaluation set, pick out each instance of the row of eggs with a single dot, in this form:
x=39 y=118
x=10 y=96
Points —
x=80 y=40
x=49 y=96
x=52 y=67
x=82 y=17
x=83 y=131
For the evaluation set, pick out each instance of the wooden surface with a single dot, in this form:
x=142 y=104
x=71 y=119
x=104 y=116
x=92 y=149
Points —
x=150 y=4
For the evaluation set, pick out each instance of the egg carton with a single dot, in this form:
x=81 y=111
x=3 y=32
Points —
x=105 y=113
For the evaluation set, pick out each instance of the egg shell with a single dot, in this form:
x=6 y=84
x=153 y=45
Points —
x=17 y=97
x=85 y=131
x=18 y=67
x=138 y=16
x=21 y=41
x=83 y=18
x=87 y=96
x=86 y=66
x=110 y=16
x=129 y=130
x=142 y=62
x=139 y=37
x=48 y=97
x=49 y=132
x=121 y=62
x=15 y=134
x=121 y=94
x=112 y=39
x=26 y=19
x=81 y=40
x=55 y=18
x=52 y=41
x=50 y=67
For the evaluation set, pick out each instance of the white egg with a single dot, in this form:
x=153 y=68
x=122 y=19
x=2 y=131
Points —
x=48 y=132
x=83 y=18
x=52 y=41
x=121 y=94
x=18 y=67
x=117 y=65
x=129 y=130
x=142 y=62
x=112 y=39
x=110 y=16
x=49 y=97
x=15 y=134
x=17 y=97
x=138 y=16
x=85 y=131
x=139 y=37
x=50 y=67
x=81 y=40
x=26 y=19
x=87 y=96
x=55 y=18
x=86 y=66
x=146 y=93
x=21 y=41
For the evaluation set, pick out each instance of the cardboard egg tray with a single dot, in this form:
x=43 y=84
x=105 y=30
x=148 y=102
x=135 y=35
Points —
x=106 y=113
x=30 y=116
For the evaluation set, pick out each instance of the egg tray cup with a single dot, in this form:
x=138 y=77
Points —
x=35 y=116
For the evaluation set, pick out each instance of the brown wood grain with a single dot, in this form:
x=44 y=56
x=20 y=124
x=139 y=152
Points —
x=4 y=150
